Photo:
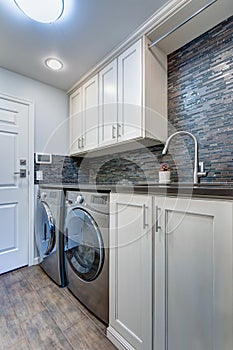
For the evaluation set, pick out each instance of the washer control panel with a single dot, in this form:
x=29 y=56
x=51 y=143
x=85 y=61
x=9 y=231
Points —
x=98 y=202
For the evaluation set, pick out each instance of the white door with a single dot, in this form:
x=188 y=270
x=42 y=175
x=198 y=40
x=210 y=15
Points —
x=14 y=193
x=108 y=127
x=193 y=275
x=76 y=126
x=130 y=92
x=90 y=114
x=131 y=270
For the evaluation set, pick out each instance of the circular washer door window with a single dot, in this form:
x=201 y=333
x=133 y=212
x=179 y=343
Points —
x=45 y=230
x=85 y=251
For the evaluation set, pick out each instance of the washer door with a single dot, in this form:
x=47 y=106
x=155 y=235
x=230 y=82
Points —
x=85 y=249
x=45 y=229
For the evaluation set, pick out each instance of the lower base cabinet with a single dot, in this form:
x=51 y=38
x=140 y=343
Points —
x=130 y=272
x=171 y=283
x=193 y=282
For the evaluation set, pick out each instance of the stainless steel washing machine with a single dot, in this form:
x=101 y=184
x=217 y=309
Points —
x=87 y=249
x=49 y=222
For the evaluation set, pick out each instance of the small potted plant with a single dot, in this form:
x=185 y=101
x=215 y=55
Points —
x=164 y=174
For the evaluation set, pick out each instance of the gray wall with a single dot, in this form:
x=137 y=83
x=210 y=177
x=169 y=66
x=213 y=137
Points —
x=51 y=110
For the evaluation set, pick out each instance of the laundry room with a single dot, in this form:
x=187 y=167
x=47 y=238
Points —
x=116 y=180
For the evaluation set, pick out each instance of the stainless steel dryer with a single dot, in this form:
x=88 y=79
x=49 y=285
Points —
x=87 y=249
x=48 y=233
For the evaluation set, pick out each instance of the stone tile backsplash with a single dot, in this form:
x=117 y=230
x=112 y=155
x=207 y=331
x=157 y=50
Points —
x=63 y=170
x=200 y=100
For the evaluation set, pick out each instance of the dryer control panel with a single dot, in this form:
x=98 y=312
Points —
x=95 y=201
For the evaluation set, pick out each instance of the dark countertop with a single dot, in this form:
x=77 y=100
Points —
x=218 y=191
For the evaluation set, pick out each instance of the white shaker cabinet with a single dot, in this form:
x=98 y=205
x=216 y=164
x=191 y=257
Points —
x=76 y=122
x=193 y=281
x=90 y=114
x=131 y=95
x=130 y=91
x=130 y=325
x=108 y=124
x=84 y=117
x=142 y=94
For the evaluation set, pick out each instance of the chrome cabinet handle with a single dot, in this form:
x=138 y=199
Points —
x=113 y=132
x=157 y=226
x=145 y=223
x=83 y=139
x=118 y=130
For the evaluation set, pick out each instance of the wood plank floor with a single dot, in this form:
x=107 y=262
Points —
x=36 y=314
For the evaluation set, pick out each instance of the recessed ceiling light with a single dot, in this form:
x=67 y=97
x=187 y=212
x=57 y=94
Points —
x=54 y=63
x=45 y=11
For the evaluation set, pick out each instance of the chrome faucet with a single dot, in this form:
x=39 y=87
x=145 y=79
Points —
x=196 y=173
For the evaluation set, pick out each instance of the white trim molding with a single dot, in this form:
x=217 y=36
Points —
x=167 y=17
x=118 y=340
x=161 y=16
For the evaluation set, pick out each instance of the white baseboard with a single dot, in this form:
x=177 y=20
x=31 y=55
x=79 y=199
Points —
x=35 y=261
x=119 y=342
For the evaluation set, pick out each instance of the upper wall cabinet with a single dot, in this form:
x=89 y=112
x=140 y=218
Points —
x=130 y=93
x=132 y=101
x=142 y=93
x=75 y=121
x=108 y=127
x=84 y=117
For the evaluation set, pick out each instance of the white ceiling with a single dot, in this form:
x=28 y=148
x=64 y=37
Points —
x=87 y=32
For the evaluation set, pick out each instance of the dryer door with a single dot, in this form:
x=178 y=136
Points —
x=45 y=230
x=85 y=249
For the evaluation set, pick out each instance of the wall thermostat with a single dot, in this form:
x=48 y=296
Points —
x=43 y=158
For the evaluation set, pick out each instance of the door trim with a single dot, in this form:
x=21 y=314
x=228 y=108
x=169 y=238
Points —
x=31 y=116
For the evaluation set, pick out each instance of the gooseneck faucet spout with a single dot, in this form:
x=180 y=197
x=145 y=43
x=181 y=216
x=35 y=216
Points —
x=196 y=173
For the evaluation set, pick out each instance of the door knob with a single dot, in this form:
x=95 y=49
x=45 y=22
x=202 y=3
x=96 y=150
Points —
x=21 y=173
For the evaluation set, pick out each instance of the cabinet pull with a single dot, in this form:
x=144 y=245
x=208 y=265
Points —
x=118 y=130
x=157 y=226
x=113 y=132
x=145 y=223
x=83 y=139
x=79 y=143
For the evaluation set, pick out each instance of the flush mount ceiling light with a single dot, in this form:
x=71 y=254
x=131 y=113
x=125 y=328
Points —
x=54 y=63
x=45 y=11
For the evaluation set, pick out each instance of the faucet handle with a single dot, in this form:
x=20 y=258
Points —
x=202 y=174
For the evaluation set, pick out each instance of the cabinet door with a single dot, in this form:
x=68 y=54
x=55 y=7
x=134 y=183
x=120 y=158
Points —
x=90 y=114
x=131 y=271
x=193 y=275
x=108 y=127
x=130 y=92
x=75 y=121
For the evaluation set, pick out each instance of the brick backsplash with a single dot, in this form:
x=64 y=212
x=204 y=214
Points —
x=200 y=100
